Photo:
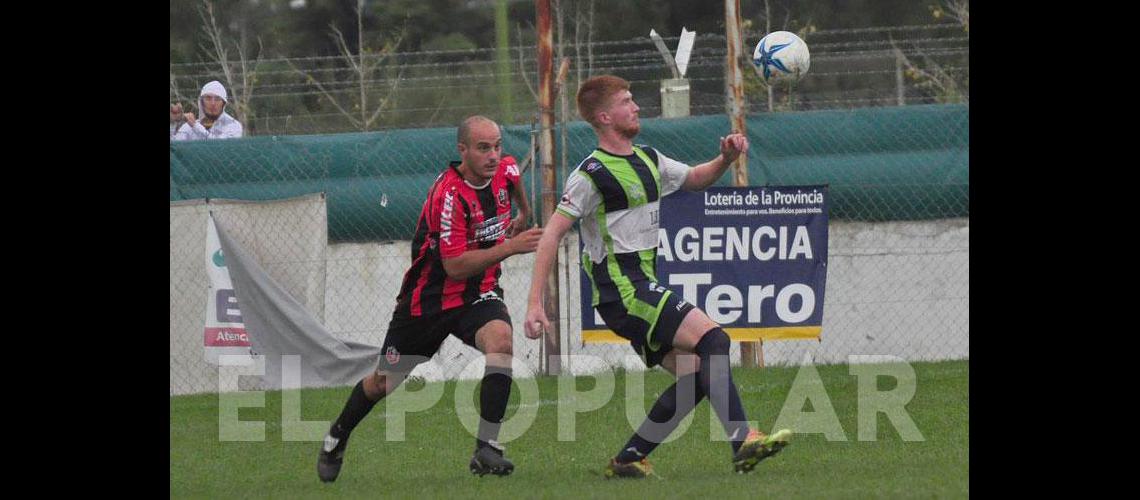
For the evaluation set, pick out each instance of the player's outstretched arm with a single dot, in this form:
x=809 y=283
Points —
x=473 y=262
x=556 y=228
x=705 y=174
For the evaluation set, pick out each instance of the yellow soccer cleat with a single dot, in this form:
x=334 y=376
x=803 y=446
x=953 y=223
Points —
x=758 y=446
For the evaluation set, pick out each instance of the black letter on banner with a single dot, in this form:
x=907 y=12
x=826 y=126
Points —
x=226 y=297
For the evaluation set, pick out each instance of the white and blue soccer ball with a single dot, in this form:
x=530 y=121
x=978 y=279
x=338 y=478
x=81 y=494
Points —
x=781 y=57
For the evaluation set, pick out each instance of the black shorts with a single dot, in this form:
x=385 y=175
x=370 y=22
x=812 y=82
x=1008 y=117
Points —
x=414 y=340
x=650 y=333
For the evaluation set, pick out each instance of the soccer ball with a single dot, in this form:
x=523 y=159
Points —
x=780 y=57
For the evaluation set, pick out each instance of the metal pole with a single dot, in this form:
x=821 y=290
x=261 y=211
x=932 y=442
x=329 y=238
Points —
x=503 y=61
x=551 y=340
x=734 y=81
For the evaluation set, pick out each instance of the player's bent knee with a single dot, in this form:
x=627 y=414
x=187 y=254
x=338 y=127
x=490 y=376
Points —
x=381 y=383
x=717 y=340
x=681 y=363
x=374 y=385
x=687 y=364
x=500 y=345
x=694 y=326
x=496 y=338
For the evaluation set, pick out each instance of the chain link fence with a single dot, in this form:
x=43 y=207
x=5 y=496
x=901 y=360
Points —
x=898 y=271
x=850 y=68
x=287 y=238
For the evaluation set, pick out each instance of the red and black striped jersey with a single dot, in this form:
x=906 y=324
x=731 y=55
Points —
x=456 y=217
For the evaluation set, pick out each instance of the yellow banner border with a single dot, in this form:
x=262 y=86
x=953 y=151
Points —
x=736 y=334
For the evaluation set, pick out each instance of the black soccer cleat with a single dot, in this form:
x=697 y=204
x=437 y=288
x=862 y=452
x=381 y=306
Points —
x=331 y=458
x=639 y=470
x=488 y=460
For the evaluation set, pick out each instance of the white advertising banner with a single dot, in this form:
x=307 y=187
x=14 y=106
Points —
x=224 y=332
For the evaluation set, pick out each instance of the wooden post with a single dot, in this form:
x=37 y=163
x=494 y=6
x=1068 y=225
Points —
x=734 y=82
x=552 y=345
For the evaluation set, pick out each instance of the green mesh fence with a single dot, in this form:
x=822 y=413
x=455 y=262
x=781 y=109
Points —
x=900 y=163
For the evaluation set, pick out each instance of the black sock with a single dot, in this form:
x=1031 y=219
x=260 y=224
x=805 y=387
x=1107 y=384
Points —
x=663 y=418
x=357 y=406
x=716 y=380
x=493 y=395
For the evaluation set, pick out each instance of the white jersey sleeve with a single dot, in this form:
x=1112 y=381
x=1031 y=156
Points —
x=580 y=197
x=673 y=173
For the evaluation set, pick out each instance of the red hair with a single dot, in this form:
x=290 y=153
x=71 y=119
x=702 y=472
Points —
x=595 y=93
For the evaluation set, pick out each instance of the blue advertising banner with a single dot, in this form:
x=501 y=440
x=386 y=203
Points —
x=754 y=259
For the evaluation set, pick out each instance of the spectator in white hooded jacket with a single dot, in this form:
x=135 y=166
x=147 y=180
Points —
x=215 y=122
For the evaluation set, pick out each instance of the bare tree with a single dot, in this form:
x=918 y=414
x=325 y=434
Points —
x=578 y=42
x=930 y=75
x=590 y=42
x=176 y=109
x=364 y=64
x=958 y=10
x=174 y=90
x=240 y=74
x=522 y=59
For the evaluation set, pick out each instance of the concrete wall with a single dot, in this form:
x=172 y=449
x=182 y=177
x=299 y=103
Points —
x=288 y=238
x=893 y=288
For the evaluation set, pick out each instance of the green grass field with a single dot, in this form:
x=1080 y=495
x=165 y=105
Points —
x=432 y=460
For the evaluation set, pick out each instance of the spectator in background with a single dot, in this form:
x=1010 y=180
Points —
x=215 y=122
x=176 y=119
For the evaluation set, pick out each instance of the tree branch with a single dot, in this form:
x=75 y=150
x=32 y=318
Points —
x=929 y=75
x=958 y=10
x=174 y=88
x=214 y=35
x=387 y=98
x=342 y=46
x=522 y=68
x=326 y=93
x=215 y=49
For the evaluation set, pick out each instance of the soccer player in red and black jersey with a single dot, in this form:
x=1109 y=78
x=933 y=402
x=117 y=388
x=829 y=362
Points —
x=452 y=288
